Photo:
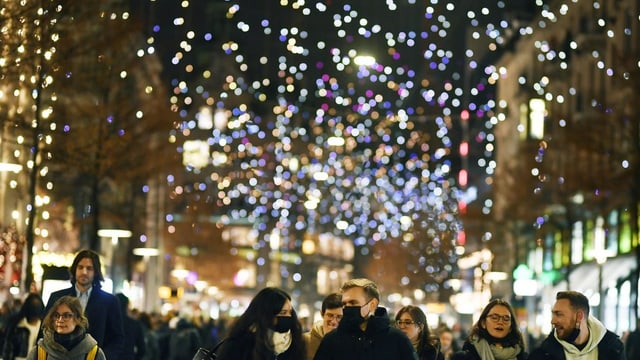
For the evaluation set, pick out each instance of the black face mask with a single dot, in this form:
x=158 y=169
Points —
x=283 y=324
x=573 y=336
x=352 y=317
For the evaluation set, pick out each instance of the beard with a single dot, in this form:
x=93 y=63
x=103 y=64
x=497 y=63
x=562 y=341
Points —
x=570 y=335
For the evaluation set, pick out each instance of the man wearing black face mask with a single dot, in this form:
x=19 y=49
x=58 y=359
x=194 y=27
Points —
x=576 y=335
x=364 y=331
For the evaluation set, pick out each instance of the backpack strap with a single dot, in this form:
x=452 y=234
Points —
x=91 y=355
x=42 y=353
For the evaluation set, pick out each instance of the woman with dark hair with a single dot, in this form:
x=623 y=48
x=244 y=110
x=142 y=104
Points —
x=22 y=331
x=65 y=334
x=268 y=329
x=494 y=336
x=412 y=321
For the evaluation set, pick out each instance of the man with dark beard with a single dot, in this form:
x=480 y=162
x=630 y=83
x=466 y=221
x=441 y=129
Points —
x=576 y=334
x=364 y=332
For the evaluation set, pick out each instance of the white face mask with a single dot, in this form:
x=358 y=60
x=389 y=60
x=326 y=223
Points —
x=280 y=341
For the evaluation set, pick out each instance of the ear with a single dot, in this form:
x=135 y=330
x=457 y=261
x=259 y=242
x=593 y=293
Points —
x=580 y=315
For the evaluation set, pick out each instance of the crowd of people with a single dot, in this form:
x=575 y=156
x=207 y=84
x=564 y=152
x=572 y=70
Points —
x=85 y=322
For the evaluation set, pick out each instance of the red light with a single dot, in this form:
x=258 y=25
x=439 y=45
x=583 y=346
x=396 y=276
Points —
x=463 y=177
x=462 y=238
x=462 y=207
x=464 y=115
x=464 y=148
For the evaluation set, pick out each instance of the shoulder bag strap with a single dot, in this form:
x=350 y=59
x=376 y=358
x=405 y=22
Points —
x=213 y=349
x=91 y=355
x=42 y=353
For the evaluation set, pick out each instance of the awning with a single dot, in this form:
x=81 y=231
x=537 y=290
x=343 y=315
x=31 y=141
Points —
x=584 y=277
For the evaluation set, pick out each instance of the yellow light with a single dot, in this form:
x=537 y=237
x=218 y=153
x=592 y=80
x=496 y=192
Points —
x=308 y=247
x=164 y=292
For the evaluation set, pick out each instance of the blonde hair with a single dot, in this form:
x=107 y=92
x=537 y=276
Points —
x=370 y=288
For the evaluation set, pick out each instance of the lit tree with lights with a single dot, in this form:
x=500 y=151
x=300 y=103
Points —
x=28 y=43
x=112 y=125
x=84 y=89
x=317 y=141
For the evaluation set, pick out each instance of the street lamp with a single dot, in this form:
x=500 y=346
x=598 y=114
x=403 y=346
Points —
x=115 y=235
x=600 y=260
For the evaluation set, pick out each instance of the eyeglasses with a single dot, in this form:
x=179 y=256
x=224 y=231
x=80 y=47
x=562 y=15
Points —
x=496 y=318
x=333 y=316
x=65 y=316
x=405 y=322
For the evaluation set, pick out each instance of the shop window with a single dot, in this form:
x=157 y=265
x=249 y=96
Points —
x=589 y=240
x=625 y=232
x=577 y=242
x=612 y=231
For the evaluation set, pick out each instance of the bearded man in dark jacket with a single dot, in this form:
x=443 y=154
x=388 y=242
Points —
x=576 y=335
x=364 y=333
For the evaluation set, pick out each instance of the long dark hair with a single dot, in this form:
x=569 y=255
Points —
x=426 y=342
x=258 y=318
x=479 y=329
x=32 y=307
x=95 y=259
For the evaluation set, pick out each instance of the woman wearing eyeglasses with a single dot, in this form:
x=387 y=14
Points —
x=65 y=335
x=412 y=321
x=495 y=336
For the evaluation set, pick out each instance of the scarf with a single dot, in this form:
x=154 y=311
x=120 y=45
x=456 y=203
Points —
x=281 y=341
x=67 y=341
x=492 y=352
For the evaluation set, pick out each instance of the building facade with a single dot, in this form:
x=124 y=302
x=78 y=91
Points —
x=568 y=154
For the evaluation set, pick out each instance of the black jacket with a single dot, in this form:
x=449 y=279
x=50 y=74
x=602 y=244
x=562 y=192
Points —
x=105 y=319
x=241 y=348
x=16 y=342
x=430 y=352
x=609 y=348
x=469 y=352
x=379 y=342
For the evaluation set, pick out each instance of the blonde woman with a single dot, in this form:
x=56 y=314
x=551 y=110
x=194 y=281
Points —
x=65 y=334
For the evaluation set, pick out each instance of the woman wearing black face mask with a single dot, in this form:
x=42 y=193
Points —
x=268 y=329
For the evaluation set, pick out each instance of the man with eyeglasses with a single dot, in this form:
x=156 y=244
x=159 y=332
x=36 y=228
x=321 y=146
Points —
x=576 y=334
x=364 y=331
x=331 y=313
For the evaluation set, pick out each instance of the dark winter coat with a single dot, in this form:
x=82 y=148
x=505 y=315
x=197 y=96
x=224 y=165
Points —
x=105 y=319
x=632 y=345
x=609 y=348
x=469 y=352
x=380 y=341
x=430 y=352
x=184 y=341
x=17 y=339
x=241 y=348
